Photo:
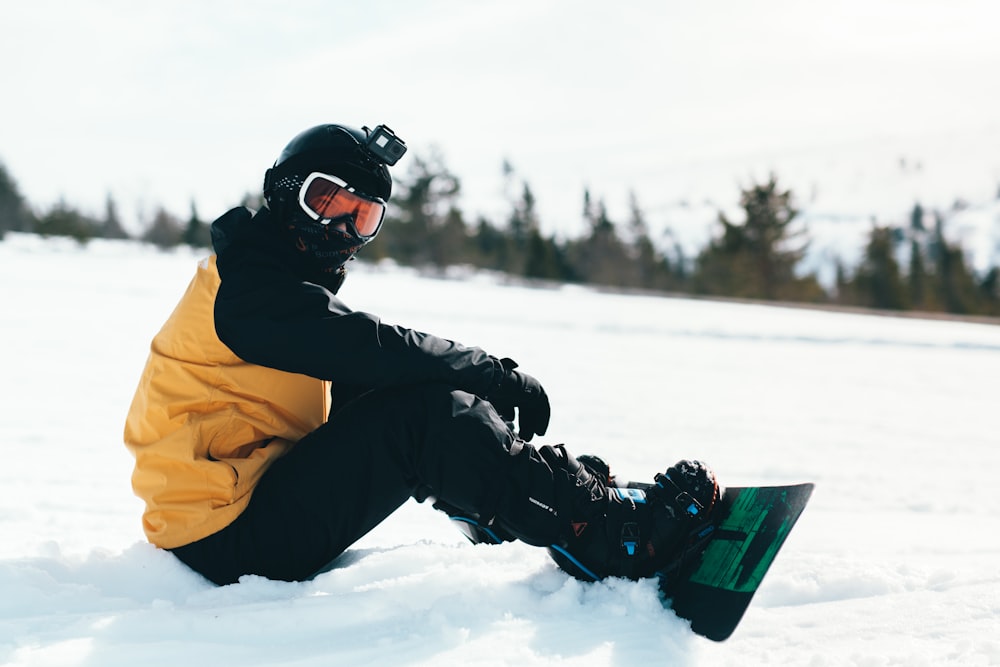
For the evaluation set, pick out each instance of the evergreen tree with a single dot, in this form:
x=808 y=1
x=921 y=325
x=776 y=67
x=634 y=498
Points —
x=425 y=197
x=522 y=219
x=544 y=258
x=843 y=287
x=955 y=285
x=649 y=269
x=166 y=230
x=451 y=240
x=522 y=223
x=197 y=233
x=917 y=218
x=491 y=247
x=14 y=213
x=990 y=288
x=918 y=276
x=757 y=258
x=532 y=254
x=527 y=251
x=111 y=226
x=676 y=264
x=878 y=282
x=600 y=257
x=63 y=220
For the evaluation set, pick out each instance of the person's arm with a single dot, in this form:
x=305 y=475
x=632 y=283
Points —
x=268 y=317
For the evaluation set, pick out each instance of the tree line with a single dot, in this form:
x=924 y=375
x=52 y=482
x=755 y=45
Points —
x=904 y=266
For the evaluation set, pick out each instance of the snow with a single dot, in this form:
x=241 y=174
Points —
x=894 y=562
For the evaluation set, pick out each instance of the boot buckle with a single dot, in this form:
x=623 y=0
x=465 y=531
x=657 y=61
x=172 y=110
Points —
x=683 y=500
x=687 y=503
x=630 y=537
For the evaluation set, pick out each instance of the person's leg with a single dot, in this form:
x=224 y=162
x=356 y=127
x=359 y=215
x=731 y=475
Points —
x=346 y=477
x=343 y=479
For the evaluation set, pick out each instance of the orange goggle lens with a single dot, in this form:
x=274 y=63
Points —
x=324 y=198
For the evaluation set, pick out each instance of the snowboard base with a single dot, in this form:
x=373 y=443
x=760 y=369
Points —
x=715 y=582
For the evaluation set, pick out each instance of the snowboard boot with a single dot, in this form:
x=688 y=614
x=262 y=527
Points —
x=592 y=525
x=634 y=531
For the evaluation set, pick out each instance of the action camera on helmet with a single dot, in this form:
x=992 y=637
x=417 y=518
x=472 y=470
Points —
x=384 y=145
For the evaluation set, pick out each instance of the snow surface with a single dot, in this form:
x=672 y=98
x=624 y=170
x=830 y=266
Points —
x=894 y=562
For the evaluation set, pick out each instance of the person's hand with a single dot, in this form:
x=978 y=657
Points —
x=520 y=390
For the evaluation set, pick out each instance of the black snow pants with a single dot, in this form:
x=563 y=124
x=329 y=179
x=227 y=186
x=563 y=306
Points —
x=344 y=478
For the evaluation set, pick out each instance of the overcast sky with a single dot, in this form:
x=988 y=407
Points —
x=165 y=103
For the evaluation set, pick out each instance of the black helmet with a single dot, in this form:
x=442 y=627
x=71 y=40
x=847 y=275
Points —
x=332 y=149
x=336 y=158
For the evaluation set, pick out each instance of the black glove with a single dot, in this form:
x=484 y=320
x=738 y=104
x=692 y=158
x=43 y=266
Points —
x=520 y=390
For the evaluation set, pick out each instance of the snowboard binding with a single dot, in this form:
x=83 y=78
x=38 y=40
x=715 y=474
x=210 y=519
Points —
x=646 y=529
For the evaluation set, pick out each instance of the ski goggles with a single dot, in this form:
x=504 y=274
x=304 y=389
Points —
x=325 y=198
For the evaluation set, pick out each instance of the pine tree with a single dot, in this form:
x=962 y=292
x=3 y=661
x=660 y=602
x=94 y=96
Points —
x=676 y=264
x=917 y=277
x=491 y=247
x=197 y=233
x=111 y=226
x=522 y=226
x=955 y=285
x=424 y=199
x=878 y=282
x=600 y=257
x=14 y=213
x=990 y=288
x=544 y=259
x=166 y=231
x=522 y=218
x=757 y=258
x=450 y=244
x=647 y=268
x=64 y=220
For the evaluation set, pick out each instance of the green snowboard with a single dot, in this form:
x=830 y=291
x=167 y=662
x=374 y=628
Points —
x=715 y=582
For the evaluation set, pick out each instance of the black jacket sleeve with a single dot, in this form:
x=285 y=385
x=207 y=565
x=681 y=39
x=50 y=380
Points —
x=268 y=316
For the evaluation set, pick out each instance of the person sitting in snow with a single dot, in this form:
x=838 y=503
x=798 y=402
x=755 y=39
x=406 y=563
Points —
x=273 y=426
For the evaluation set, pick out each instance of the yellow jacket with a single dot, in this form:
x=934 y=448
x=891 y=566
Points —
x=204 y=424
x=242 y=370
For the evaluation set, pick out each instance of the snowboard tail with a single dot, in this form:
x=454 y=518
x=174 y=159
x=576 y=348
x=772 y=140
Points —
x=716 y=580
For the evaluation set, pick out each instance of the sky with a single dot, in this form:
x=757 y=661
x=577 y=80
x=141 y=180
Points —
x=165 y=104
